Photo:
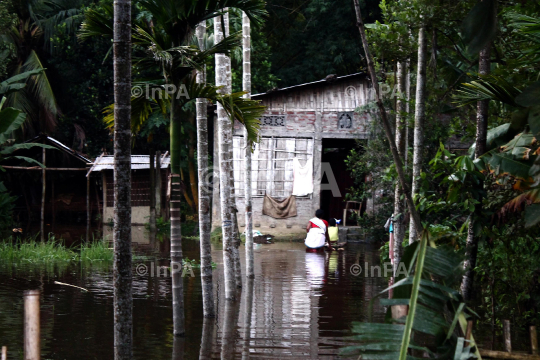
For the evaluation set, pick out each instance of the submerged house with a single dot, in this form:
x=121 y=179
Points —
x=306 y=134
x=140 y=186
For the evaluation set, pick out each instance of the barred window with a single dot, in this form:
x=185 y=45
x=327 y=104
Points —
x=271 y=166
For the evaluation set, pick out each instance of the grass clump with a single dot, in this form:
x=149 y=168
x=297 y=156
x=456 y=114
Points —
x=52 y=251
x=35 y=251
x=96 y=251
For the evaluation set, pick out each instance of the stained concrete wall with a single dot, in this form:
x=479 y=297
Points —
x=139 y=214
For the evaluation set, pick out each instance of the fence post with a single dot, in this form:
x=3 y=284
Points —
x=32 y=346
x=507 y=337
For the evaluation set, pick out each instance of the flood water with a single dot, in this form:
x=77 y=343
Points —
x=303 y=305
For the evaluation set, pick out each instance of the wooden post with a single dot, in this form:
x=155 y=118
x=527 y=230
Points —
x=158 y=184
x=152 y=193
x=32 y=346
x=534 y=340
x=96 y=187
x=53 y=203
x=4 y=352
x=469 y=331
x=43 y=188
x=507 y=336
x=88 y=208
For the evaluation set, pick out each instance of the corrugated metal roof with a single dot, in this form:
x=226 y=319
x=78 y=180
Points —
x=138 y=162
x=360 y=74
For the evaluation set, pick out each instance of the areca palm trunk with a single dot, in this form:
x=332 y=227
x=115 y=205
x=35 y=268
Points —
x=399 y=229
x=176 y=227
x=482 y=107
x=225 y=164
x=246 y=86
x=204 y=191
x=234 y=210
x=419 y=116
x=123 y=302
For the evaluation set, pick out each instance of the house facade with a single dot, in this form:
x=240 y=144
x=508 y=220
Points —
x=314 y=123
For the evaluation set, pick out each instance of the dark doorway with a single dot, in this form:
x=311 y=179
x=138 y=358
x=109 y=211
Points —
x=334 y=153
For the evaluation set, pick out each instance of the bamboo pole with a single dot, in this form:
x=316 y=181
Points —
x=42 y=169
x=152 y=199
x=53 y=203
x=534 y=340
x=507 y=336
x=43 y=188
x=490 y=354
x=158 y=184
x=88 y=208
x=32 y=345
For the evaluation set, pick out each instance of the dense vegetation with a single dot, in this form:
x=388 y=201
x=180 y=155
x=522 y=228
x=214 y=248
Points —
x=484 y=206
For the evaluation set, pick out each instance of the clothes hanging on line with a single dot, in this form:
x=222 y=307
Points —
x=279 y=209
x=302 y=177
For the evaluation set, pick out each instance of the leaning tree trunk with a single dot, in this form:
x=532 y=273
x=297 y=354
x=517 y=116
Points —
x=176 y=227
x=123 y=302
x=204 y=191
x=419 y=116
x=225 y=164
x=246 y=86
x=482 y=108
x=386 y=124
x=401 y=124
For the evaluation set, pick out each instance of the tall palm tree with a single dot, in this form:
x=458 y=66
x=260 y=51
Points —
x=246 y=86
x=419 y=116
x=484 y=67
x=225 y=162
x=204 y=189
x=123 y=302
x=162 y=39
x=401 y=124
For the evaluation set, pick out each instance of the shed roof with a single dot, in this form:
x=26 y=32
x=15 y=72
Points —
x=318 y=82
x=138 y=162
x=57 y=144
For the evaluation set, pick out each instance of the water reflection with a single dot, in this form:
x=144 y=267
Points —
x=300 y=305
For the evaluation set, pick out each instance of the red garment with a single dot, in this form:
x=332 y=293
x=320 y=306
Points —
x=324 y=221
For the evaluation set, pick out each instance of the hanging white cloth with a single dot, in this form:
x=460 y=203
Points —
x=302 y=177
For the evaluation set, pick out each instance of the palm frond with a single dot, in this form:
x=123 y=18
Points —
x=17 y=82
x=487 y=87
x=97 y=23
x=246 y=111
x=430 y=294
x=10 y=120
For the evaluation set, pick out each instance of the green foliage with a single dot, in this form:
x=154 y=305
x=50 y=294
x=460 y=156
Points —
x=436 y=309
x=52 y=251
x=7 y=204
x=314 y=38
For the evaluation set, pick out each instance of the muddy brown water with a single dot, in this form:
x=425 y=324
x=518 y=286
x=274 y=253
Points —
x=303 y=305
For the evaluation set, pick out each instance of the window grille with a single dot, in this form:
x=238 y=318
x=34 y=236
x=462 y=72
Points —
x=271 y=164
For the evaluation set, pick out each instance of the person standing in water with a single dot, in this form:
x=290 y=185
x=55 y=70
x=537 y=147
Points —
x=317 y=231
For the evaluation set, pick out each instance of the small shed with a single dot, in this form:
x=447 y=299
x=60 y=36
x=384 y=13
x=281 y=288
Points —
x=140 y=186
x=313 y=125
x=58 y=192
